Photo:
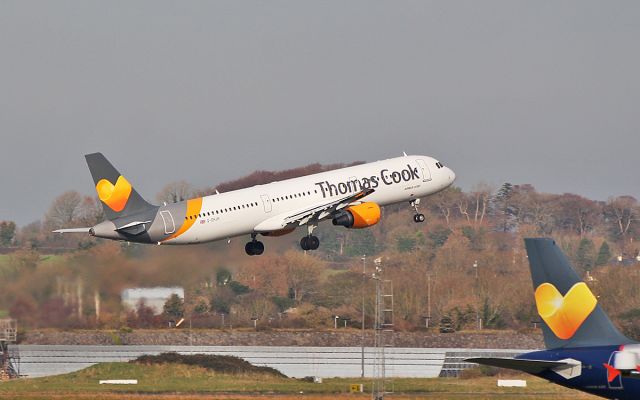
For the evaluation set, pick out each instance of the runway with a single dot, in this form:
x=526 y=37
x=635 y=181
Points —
x=297 y=362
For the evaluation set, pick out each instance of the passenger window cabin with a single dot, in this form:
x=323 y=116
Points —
x=247 y=205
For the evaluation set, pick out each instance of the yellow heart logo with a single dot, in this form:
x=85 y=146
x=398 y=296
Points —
x=564 y=314
x=115 y=197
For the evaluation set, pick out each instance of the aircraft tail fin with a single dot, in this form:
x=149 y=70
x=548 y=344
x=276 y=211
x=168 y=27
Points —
x=118 y=197
x=571 y=315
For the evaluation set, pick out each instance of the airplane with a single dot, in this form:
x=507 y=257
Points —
x=349 y=197
x=584 y=349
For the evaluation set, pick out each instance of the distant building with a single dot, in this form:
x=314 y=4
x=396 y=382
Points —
x=152 y=297
x=628 y=261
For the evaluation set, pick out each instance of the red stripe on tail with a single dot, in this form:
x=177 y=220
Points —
x=612 y=373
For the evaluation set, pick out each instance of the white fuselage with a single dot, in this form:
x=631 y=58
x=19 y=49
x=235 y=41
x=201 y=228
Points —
x=240 y=212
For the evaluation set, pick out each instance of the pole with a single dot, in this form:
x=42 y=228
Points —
x=478 y=320
x=364 y=278
x=96 y=299
x=428 y=299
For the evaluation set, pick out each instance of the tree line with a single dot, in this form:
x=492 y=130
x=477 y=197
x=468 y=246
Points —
x=465 y=265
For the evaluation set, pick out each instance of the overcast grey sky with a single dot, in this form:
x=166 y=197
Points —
x=540 y=92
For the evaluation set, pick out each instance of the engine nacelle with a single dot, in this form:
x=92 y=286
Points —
x=360 y=216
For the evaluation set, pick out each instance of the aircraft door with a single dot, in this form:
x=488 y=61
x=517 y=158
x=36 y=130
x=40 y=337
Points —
x=169 y=223
x=266 y=202
x=616 y=383
x=424 y=170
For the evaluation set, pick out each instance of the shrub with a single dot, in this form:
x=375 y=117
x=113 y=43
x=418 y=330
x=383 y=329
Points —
x=222 y=364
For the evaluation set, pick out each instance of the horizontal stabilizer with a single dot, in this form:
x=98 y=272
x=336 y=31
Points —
x=72 y=230
x=134 y=228
x=131 y=225
x=529 y=366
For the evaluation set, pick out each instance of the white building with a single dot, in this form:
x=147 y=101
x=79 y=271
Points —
x=152 y=297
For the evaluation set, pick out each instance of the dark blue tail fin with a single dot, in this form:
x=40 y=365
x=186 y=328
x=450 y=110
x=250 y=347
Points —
x=571 y=314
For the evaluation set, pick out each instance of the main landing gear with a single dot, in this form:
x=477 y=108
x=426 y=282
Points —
x=310 y=242
x=417 y=217
x=254 y=247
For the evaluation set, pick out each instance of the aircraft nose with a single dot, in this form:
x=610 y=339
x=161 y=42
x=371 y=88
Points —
x=452 y=175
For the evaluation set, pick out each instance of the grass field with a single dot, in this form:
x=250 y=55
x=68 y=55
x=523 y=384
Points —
x=45 y=258
x=171 y=381
x=51 y=258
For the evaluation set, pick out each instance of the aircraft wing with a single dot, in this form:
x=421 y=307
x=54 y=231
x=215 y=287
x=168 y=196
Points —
x=312 y=214
x=529 y=366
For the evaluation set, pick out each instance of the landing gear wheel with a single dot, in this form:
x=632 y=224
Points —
x=313 y=242
x=417 y=217
x=309 y=243
x=254 y=248
x=258 y=248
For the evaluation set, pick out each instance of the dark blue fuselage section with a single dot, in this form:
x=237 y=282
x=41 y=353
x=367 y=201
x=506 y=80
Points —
x=593 y=378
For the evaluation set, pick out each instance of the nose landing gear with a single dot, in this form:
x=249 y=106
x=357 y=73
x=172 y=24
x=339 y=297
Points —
x=254 y=247
x=417 y=217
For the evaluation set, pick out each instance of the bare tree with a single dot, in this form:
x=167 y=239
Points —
x=90 y=211
x=175 y=192
x=481 y=194
x=64 y=210
x=622 y=211
x=445 y=202
x=578 y=214
x=462 y=203
x=302 y=272
x=542 y=212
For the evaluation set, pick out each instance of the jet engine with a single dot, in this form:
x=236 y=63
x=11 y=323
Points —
x=360 y=216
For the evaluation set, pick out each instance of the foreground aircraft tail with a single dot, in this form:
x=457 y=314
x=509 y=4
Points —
x=571 y=315
x=585 y=351
x=118 y=197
